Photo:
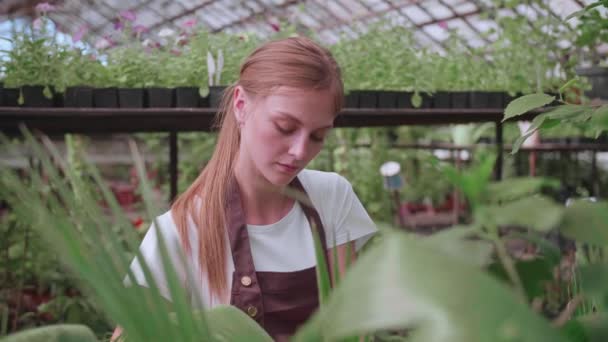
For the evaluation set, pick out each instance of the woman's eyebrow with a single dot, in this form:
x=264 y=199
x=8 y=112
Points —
x=294 y=118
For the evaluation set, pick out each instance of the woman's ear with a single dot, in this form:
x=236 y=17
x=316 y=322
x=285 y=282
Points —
x=240 y=104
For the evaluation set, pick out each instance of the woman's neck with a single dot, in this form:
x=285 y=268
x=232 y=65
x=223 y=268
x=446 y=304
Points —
x=264 y=203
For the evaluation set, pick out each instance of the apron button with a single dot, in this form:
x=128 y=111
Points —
x=246 y=281
x=252 y=311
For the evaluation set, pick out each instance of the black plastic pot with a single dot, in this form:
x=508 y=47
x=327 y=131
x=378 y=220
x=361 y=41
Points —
x=598 y=77
x=460 y=99
x=387 y=99
x=159 y=97
x=368 y=99
x=186 y=97
x=479 y=99
x=130 y=97
x=442 y=99
x=496 y=99
x=215 y=96
x=105 y=97
x=427 y=100
x=33 y=96
x=351 y=100
x=11 y=97
x=404 y=99
x=81 y=97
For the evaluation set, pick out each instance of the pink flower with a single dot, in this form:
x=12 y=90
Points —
x=443 y=25
x=176 y=52
x=118 y=25
x=104 y=43
x=45 y=7
x=128 y=15
x=275 y=27
x=77 y=36
x=139 y=29
x=37 y=23
x=189 y=23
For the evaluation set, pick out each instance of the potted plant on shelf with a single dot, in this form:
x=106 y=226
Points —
x=35 y=63
x=592 y=32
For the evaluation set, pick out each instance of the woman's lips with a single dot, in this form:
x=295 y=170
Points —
x=288 y=168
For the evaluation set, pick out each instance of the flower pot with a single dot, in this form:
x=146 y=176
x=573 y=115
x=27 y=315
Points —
x=10 y=97
x=427 y=100
x=215 y=96
x=368 y=99
x=387 y=99
x=105 y=97
x=598 y=77
x=33 y=96
x=496 y=99
x=159 y=97
x=404 y=99
x=130 y=97
x=479 y=99
x=460 y=99
x=81 y=97
x=441 y=99
x=351 y=100
x=186 y=97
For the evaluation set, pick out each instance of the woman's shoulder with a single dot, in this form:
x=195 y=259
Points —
x=323 y=186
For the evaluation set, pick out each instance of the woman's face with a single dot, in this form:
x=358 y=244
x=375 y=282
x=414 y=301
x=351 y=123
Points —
x=281 y=133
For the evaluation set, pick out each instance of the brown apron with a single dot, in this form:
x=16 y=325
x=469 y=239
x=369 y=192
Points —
x=279 y=301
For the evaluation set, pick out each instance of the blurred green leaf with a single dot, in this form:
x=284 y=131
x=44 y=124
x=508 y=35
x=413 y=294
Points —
x=54 y=333
x=587 y=222
x=515 y=188
x=537 y=212
x=439 y=297
x=461 y=243
x=589 y=328
x=594 y=282
x=526 y=103
x=534 y=274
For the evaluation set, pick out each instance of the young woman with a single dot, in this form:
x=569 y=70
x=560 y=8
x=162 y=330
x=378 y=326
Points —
x=247 y=241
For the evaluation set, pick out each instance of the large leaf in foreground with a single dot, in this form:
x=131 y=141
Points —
x=403 y=284
x=594 y=230
x=54 y=333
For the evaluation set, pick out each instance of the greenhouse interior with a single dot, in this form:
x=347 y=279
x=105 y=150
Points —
x=304 y=170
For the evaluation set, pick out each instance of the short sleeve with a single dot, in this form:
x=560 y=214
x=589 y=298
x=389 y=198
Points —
x=150 y=250
x=351 y=222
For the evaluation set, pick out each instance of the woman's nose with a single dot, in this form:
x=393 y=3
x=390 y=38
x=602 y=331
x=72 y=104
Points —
x=299 y=147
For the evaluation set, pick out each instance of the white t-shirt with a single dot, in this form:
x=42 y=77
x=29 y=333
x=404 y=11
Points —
x=284 y=246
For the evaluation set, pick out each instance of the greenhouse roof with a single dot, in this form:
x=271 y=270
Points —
x=330 y=20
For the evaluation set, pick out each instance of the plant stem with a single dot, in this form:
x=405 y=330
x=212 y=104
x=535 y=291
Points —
x=565 y=315
x=509 y=265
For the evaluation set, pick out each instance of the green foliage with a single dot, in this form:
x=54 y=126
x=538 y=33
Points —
x=525 y=104
x=54 y=333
